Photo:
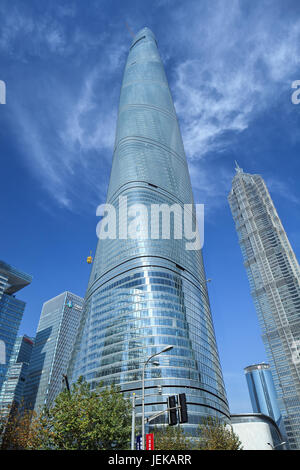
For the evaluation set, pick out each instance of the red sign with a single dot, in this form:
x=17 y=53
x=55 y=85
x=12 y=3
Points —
x=149 y=441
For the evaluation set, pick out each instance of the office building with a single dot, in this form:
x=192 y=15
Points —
x=11 y=311
x=262 y=391
x=148 y=292
x=273 y=273
x=52 y=349
x=12 y=393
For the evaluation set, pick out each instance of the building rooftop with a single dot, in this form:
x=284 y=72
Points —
x=262 y=365
x=16 y=279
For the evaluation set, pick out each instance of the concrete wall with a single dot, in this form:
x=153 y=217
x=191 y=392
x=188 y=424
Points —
x=254 y=436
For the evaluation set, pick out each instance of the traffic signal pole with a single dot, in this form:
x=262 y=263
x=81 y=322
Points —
x=182 y=407
x=147 y=420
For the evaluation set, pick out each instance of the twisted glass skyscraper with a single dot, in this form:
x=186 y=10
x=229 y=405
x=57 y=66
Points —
x=274 y=275
x=145 y=294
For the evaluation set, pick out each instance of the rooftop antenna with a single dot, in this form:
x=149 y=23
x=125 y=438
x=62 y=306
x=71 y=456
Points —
x=237 y=168
x=129 y=29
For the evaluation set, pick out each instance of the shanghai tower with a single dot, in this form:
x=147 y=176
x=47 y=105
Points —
x=147 y=293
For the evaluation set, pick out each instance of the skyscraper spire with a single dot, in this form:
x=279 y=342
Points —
x=237 y=168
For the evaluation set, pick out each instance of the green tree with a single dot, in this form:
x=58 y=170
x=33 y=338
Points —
x=19 y=429
x=171 y=438
x=86 y=420
x=79 y=420
x=217 y=435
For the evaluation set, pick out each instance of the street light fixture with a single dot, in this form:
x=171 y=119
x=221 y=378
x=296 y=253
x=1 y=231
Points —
x=167 y=348
x=274 y=447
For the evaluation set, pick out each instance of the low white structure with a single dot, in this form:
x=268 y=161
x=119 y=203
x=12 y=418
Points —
x=257 y=431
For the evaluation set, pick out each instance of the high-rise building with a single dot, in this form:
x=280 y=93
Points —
x=146 y=293
x=11 y=311
x=262 y=392
x=273 y=273
x=12 y=393
x=52 y=349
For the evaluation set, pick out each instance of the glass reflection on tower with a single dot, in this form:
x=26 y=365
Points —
x=144 y=294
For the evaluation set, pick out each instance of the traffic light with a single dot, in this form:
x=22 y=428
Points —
x=183 y=415
x=173 y=412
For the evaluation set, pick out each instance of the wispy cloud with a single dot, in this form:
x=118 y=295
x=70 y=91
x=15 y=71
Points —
x=227 y=65
x=210 y=184
x=22 y=36
x=69 y=147
x=282 y=188
x=65 y=127
x=237 y=64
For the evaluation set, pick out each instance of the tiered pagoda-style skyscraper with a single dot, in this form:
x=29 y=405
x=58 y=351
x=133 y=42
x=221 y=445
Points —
x=145 y=294
x=274 y=277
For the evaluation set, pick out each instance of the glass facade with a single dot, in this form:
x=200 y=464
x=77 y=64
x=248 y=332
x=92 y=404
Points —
x=273 y=273
x=52 y=349
x=145 y=294
x=12 y=393
x=11 y=311
x=262 y=392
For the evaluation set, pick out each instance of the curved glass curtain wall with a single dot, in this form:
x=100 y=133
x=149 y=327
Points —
x=146 y=294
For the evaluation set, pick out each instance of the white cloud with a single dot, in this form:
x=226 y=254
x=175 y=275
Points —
x=66 y=128
x=281 y=188
x=237 y=66
x=21 y=34
x=69 y=147
x=234 y=66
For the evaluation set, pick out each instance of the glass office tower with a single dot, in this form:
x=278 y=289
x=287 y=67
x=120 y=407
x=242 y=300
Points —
x=145 y=293
x=11 y=311
x=55 y=336
x=262 y=391
x=12 y=393
x=273 y=273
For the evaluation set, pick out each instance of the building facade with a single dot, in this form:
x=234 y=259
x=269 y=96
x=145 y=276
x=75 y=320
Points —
x=263 y=394
x=11 y=311
x=146 y=293
x=273 y=273
x=262 y=391
x=257 y=431
x=52 y=349
x=12 y=393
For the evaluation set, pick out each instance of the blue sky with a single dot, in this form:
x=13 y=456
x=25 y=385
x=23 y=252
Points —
x=230 y=65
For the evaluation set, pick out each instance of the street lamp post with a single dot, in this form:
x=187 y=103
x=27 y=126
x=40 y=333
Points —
x=167 y=348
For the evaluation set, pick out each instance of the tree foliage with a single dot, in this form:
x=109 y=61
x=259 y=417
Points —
x=171 y=438
x=79 y=420
x=217 y=435
x=19 y=429
x=100 y=420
